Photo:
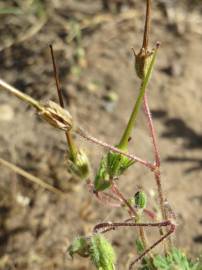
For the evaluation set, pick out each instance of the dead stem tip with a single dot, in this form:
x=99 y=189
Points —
x=133 y=50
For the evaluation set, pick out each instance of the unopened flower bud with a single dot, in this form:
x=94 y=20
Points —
x=98 y=248
x=102 y=253
x=140 y=199
x=79 y=246
x=80 y=165
x=58 y=117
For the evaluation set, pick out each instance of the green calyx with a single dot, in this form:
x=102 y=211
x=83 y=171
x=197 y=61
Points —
x=79 y=246
x=98 y=248
x=102 y=253
x=111 y=166
x=79 y=165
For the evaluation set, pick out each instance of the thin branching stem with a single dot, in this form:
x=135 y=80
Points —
x=90 y=138
x=157 y=172
x=152 y=130
x=105 y=198
x=165 y=236
x=108 y=226
x=132 y=211
x=99 y=227
x=115 y=189
x=78 y=131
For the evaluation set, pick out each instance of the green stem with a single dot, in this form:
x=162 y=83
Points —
x=127 y=133
x=72 y=147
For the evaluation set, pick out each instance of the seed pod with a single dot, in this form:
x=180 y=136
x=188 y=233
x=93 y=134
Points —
x=79 y=246
x=142 y=62
x=80 y=166
x=57 y=116
x=102 y=253
x=140 y=200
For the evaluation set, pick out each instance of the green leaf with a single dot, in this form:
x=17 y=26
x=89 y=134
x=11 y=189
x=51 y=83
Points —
x=176 y=260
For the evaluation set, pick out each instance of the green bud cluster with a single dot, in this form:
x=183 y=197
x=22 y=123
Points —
x=97 y=248
x=102 y=253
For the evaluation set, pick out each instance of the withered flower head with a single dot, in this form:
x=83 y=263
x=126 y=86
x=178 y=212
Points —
x=55 y=115
x=142 y=62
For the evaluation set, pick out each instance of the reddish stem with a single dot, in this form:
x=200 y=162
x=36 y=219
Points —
x=132 y=210
x=157 y=173
x=105 y=198
x=88 y=137
x=108 y=226
x=152 y=131
x=115 y=189
x=172 y=229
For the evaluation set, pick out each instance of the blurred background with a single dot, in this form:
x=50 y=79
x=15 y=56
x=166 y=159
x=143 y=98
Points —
x=92 y=42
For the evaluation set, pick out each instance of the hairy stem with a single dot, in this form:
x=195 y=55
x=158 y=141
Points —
x=90 y=138
x=78 y=131
x=152 y=131
x=157 y=173
x=165 y=236
x=132 y=210
x=108 y=226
